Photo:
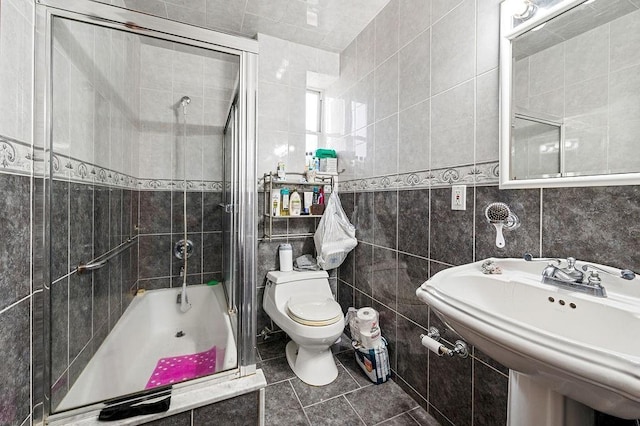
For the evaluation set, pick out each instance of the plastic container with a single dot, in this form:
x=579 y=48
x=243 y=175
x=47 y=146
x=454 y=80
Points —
x=295 y=204
x=284 y=202
x=285 y=253
x=281 y=173
x=275 y=203
x=308 y=201
x=329 y=165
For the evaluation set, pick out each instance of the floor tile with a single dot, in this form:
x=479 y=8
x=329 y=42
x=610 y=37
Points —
x=273 y=347
x=423 y=418
x=282 y=407
x=313 y=394
x=348 y=361
x=336 y=411
x=276 y=370
x=380 y=402
x=402 y=420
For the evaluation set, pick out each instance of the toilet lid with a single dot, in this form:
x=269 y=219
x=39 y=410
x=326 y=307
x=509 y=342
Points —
x=314 y=310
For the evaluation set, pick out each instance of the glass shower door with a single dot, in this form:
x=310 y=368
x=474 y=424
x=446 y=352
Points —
x=229 y=204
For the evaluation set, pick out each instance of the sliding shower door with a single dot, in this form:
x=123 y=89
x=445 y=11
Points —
x=229 y=206
x=139 y=126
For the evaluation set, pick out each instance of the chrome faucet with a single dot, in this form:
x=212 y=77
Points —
x=570 y=278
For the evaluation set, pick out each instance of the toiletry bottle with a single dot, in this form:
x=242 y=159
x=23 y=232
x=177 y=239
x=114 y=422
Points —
x=321 y=196
x=285 y=253
x=281 y=173
x=275 y=203
x=307 y=202
x=284 y=202
x=316 y=195
x=295 y=204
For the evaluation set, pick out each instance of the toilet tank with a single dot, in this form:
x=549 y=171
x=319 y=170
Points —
x=278 y=277
x=287 y=284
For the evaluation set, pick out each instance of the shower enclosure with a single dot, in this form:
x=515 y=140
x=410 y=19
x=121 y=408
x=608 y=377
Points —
x=148 y=142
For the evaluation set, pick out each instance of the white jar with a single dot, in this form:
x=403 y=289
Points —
x=285 y=252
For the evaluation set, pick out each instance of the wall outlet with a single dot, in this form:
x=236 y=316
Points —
x=459 y=197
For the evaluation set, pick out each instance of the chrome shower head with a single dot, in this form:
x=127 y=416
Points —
x=184 y=101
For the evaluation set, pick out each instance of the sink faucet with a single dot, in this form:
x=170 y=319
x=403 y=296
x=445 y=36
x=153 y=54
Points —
x=569 y=274
x=570 y=278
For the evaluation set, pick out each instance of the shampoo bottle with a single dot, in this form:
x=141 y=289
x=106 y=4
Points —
x=295 y=204
x=284 y=202
x=275 y=203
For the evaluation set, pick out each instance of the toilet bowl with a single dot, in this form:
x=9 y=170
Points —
x=302 y=305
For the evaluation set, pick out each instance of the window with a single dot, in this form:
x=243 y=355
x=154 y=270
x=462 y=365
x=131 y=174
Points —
x=313 y=119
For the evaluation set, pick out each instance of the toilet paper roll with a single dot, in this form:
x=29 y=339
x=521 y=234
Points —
x=370 y=339
x=367 y=319
x=433 y=345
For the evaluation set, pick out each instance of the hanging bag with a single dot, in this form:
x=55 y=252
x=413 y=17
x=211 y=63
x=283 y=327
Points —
x=335 y=236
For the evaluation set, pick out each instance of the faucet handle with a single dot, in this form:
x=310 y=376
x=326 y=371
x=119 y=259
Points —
x=529 y=258
x=626 y=274
x=594 y=279
x=571 y=262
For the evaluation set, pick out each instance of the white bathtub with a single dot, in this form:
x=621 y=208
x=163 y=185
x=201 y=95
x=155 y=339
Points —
x=147 y=332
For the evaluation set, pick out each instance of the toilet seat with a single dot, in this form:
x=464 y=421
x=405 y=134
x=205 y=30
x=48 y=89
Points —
x=314 y=310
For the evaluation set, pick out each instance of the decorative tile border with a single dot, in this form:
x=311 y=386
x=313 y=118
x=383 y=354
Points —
x=69 y=168
x=168 y=184
x=482 y=173
x=15 y=156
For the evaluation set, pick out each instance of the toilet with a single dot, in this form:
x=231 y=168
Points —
x=302 y=305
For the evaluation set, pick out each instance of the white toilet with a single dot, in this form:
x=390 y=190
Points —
x=302 y=305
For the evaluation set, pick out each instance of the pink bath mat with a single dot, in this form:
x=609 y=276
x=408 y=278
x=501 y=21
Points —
x=178 y=368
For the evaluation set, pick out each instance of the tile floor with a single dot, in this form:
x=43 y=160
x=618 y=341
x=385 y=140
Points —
x=350 y=400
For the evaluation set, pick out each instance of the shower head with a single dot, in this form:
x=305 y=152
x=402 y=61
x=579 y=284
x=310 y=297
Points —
x=184 y=101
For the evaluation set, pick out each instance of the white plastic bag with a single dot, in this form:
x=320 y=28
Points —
x=335 y=236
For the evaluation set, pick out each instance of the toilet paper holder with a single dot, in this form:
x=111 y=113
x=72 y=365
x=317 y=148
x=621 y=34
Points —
x=460 y=348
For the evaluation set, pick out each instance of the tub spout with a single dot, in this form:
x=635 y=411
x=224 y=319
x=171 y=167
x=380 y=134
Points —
x=183 y=299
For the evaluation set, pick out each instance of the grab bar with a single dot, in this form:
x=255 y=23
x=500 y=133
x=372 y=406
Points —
x=100 y=261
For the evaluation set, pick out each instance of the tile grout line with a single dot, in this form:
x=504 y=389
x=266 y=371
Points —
x=353 y=408
x=299 y=402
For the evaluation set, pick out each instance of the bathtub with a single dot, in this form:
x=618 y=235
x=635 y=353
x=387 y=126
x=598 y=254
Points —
x=151 y=328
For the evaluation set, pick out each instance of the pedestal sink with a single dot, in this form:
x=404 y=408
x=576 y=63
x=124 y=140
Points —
x=568 y=343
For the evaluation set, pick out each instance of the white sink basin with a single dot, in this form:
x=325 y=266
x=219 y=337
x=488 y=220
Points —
x=579 y=345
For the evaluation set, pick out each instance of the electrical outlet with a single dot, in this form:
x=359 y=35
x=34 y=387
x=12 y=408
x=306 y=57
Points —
x=459 y=197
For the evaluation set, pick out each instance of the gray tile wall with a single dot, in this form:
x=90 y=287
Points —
x=16 y=300
x=430 y=237
x=87 y=221
x=435 y=67
x=161 y=226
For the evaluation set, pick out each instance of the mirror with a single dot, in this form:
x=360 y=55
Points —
x=570 y=93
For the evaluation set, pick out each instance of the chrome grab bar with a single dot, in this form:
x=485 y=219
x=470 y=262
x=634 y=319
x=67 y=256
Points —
x=102 y=260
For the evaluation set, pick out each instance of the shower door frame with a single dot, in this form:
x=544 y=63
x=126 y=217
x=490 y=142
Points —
x=245 y=190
